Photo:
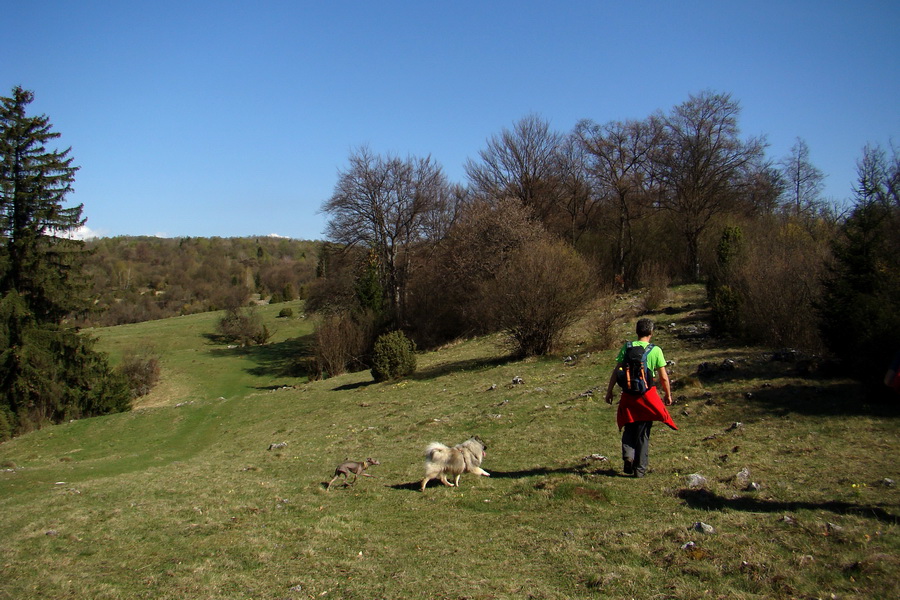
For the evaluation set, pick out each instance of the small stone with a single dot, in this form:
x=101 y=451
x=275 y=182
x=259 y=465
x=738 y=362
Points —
x=788 y=519
x=696 y=480
x=753 y=487
x=887 y=482
x=595 y=456
x=702 y=527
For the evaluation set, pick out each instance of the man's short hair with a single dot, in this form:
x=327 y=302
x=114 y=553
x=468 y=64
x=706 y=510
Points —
x=644 y=327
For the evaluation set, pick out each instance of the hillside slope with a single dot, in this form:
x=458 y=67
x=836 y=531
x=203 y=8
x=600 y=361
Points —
x=186 y=499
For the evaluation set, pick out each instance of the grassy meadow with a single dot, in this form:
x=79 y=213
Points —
x=182 y=497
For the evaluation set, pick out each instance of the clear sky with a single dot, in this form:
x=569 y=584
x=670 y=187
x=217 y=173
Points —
x=233 y=118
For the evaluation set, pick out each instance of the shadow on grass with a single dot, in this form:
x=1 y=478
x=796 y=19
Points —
x=706 y=500
x=461 y=365
x=279 y=359
x=835 y=399
x=437 y=371
x=353 y=386
x=816 y=394
x=581 y=469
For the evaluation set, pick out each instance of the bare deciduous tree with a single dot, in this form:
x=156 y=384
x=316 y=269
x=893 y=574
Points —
x=620 y=164
x=388 y=204
x=578 y=200
x=452 y=297
x=520 y=163
x=803 y=181
x=701 y=165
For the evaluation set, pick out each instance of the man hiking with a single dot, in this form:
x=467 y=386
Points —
x=638 y=365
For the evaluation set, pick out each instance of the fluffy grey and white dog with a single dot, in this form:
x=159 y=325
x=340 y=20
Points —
x=441 y=461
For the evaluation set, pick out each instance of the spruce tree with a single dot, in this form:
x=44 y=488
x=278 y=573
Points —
x=48 y=371
x=860 y=310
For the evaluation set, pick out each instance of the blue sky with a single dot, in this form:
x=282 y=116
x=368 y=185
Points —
x=200 y=118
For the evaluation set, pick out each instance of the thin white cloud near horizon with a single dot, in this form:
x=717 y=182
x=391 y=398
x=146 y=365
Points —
x=85 y=233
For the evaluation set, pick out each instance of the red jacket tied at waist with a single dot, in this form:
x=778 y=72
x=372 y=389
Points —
x=648 y=407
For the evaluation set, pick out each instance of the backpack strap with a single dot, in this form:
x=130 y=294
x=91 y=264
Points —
x=649 y=371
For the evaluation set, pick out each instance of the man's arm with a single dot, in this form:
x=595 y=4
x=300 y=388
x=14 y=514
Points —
x=610 y=386
x=667 y=389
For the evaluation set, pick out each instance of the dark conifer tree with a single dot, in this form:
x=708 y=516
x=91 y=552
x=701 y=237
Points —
x=860 y=309
x=48 y=371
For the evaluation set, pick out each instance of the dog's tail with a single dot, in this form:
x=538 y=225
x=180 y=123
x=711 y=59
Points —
x=435 y=451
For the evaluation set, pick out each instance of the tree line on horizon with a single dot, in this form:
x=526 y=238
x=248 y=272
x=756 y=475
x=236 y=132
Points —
x=549 y=221
x=547 y=225
x=135 y=279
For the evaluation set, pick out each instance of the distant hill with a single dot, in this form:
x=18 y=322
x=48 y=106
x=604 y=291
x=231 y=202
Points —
x=134 y=279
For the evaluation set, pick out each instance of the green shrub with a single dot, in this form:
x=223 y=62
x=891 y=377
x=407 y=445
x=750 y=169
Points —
x=244 y=328
x=286 y=313
x=393 y=357
x=723 y=289
x=725 y=303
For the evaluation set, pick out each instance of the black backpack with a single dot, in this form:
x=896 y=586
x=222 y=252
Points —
x=632 y=374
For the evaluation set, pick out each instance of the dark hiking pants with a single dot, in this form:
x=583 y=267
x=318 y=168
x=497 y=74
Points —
x=636 y=447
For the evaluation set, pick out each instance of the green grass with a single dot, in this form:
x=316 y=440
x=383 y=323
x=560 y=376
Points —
x=195 y=366
x=183 y=499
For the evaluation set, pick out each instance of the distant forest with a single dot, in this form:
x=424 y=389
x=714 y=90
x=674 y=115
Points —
x=134 y=279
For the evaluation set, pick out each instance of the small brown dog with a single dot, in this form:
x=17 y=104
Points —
x=351 y=468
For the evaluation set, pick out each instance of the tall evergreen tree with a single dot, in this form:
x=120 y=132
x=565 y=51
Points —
x=48 y=371
x=861 y=307
x=38 y=255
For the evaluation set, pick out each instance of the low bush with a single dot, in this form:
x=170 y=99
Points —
x=393 y=357
x=141 y=370
x=655 y=280
x=245 y=328
x=538 y=293
x=603 y=321
x=342 y=342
